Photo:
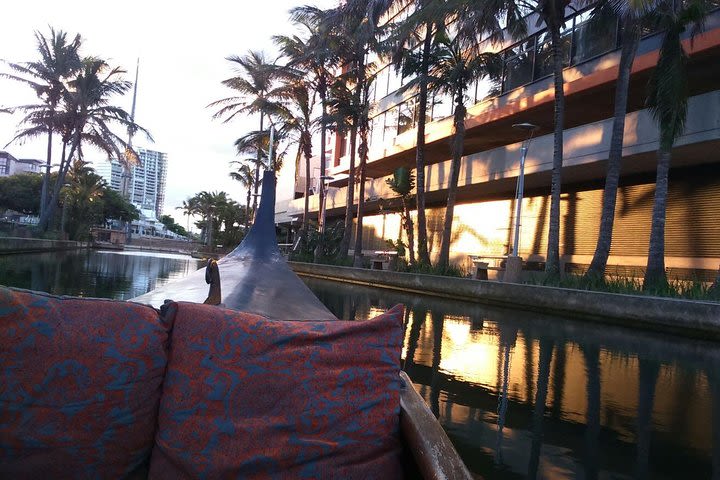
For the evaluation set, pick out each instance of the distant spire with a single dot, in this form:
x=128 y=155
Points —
x=131 y=131
x=131 y=158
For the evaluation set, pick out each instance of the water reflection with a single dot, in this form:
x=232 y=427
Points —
x=93 y=273
x=526 y=395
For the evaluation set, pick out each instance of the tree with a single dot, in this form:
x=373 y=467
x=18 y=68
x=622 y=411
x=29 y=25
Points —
x=245 y=175
x=215 y=208
x=254 y=85
x=667 y=101
x=453 y=67
x=59 y=62
x=81 y=197
x=358 y=22
x=316 y=55
x=422 y=25
x=21 y=193
x=403 y=183
x=172 y=226
x=343 y=118
x=631 y=15
x=296 y=124
x=551 y=13
x=117 y=207
x=87 y=118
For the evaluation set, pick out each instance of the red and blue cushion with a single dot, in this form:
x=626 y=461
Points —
x=80 y=385
x=247 y=397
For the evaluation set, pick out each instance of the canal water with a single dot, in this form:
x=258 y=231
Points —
x=94 y=273
x=521 y=395
x=527 y=395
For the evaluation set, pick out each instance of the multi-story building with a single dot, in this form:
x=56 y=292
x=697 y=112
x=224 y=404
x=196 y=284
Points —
x=146 y=181
x=10 y=165
x=483 y=223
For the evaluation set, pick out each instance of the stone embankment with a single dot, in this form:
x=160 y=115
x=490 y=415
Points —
x=682 y=317
x=9 y=245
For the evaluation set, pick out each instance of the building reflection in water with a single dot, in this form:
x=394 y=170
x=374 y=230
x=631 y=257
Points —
x=93 y=273
x=527 y=395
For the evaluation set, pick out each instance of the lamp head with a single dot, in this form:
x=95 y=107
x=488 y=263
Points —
x=528 y=127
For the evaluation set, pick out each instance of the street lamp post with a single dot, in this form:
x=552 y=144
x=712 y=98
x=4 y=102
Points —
x=324 y=182
x=514 y=262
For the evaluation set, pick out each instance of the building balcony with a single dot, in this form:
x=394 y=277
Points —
x=493 y=173
x=528 y=96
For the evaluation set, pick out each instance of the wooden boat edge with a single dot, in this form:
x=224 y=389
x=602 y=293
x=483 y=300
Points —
x=431 y=448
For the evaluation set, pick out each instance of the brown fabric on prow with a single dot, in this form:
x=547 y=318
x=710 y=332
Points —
x=212 y=277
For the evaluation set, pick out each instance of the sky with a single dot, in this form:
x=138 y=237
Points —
x=182 y=48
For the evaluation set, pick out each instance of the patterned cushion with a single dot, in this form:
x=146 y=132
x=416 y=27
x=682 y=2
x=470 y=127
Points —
x=79 y=385
x=247 y=397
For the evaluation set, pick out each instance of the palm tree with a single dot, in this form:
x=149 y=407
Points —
x=315 y=56
x=667 y=101
x=83 y=189
x=551 y=13
x=631 y=14
x=87 y=118
x=453 y=67
x=246 y=176
x=403 y=183
x=190 y=208
x=209 y=204
x=59 y=61
x=296 y=123
x=358 y=22
x=254 y=85
x=423 y=24
x=343 y=116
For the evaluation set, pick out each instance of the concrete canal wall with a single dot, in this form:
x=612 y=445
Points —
x=683 y=317
x=9 y=245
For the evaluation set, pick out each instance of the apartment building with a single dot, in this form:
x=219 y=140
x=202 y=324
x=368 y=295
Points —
x=147 y=181
x=9 y=165
x=483 y=223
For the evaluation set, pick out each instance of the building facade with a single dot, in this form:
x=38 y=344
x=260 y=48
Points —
x=146 y=182
x=483 y=222
x=10 y=165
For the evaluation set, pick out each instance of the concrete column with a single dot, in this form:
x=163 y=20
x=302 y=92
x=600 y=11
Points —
x=513 y=269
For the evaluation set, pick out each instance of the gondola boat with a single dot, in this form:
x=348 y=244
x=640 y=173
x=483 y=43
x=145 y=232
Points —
x=255 y=278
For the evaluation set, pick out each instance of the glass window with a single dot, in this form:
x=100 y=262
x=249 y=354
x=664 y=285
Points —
x=593 y=37
x=377 y=130
x=406 y=116
x=543 y=57
x=519 y=65
x=394 y=80
x=381 y=83
x=391 y=123
x=486 y=88
x=442 y=106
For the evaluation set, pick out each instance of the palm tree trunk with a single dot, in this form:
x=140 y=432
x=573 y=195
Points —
x=409 y=229
x=457 y=148
x=46 y=179
x=257 y=170
x=350 y=198
x=323 y=160
x=631 y=38
x=423 y=255
x=247 y=209
x=210 y=227
x=363 y=151
x=655 y=271
x=552 y=264
x=306 y=211
x=44 y=222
